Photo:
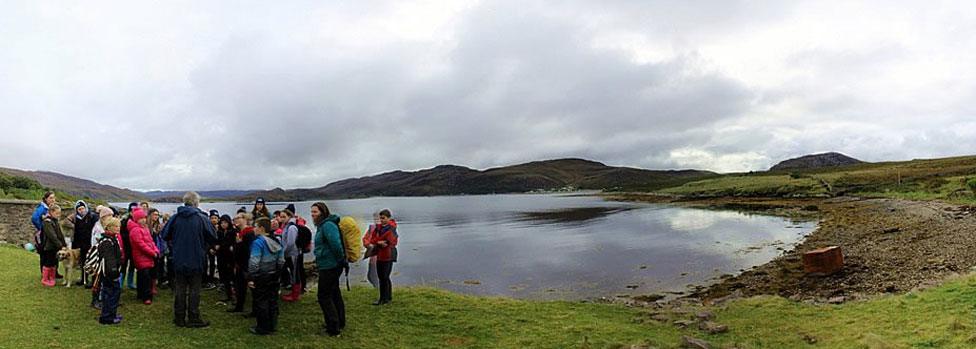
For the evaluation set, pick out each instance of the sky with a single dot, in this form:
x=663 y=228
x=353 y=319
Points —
x=256 y=94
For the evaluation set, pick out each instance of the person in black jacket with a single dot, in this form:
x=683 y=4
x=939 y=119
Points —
x=111 y=254
x=84 y=220
x=242 y=252
x=128 y=267
x=226 y=238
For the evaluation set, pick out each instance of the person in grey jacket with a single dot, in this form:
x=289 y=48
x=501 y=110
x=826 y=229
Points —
x=289 y=234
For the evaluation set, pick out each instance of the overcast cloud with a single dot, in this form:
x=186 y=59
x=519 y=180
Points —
x=256 y=94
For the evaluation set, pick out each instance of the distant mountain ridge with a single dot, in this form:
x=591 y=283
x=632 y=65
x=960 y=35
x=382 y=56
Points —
x=459 y=180
x=76 y=186
x=207 y=194
x=814 y=161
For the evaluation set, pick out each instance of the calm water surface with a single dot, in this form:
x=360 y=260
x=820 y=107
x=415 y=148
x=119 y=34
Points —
x=562 y=246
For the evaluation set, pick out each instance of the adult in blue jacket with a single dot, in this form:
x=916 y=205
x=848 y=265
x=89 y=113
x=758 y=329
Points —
x=190 y=235
x=330 y=258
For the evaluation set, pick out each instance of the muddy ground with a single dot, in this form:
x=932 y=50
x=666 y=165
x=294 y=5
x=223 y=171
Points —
x=889 y=246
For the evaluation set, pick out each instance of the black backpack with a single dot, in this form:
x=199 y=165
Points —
x=304 y=240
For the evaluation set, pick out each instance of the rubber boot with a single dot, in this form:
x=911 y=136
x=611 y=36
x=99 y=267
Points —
x=296 y=293
x=131 y=279
x=48 y=276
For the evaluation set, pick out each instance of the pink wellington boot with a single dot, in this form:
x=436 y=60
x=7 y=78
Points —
x=47 y=276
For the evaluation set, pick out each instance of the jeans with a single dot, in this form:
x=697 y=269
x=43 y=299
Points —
x=383 y=271
x=187 y=288
x=110 y=291
x=266 y=303
x=330 y=300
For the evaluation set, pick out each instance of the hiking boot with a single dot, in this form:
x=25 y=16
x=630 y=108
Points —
x=197 y=323
x=114 y=321
x=257 y=331
x=326 y=332
x=179 y=323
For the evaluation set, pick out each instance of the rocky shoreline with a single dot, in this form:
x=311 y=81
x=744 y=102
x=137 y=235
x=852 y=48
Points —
x=890 y=247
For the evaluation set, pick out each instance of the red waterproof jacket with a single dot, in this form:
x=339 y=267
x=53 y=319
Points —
x=386 y=233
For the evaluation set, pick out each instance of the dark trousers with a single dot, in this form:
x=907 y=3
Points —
x=49 y=259
x=110 y=291
x=286 y=272
x=81 y=262
x=240 y=288
x=330 y=300
x=144 y=284
x=300 y=264
x=187 y=302
x=170 y=273
x=266 y=303
x=226 y=276
x=383 y=271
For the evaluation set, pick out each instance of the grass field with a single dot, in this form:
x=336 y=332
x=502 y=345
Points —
x=34 y=317
x=949 y=179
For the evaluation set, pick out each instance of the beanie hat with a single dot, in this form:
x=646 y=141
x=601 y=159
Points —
x=291 y=208
x=260 y=200
x=214 y=213
x=103 y=211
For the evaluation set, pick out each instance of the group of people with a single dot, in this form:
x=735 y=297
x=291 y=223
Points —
x=258 y=251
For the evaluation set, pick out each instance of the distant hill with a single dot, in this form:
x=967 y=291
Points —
x=458 y=180
x=78 y=187
x=816 y=161
x=207 y=194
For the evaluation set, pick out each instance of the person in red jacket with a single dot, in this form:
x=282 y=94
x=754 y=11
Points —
x=383 y=241
x=144 y=254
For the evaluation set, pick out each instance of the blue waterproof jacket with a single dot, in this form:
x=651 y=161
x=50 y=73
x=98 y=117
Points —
x=190 y=235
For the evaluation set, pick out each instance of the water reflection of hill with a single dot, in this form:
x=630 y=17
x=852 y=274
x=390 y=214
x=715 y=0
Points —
x=569 y=215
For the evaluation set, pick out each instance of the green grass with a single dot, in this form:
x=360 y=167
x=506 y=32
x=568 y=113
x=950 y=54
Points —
x=949 y=179
x=35 y=317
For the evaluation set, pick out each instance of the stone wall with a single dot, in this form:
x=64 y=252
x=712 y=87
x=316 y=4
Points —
x=15 y=227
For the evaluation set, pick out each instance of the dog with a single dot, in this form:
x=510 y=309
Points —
x=69 y=261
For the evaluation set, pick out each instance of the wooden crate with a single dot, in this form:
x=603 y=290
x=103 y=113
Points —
x=824 y=261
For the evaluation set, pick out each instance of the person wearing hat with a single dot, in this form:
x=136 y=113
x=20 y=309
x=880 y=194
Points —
x=129 y=268
x=289 y=234
x=84 y=221
x=260 y=209
x=211 y=280
x=144 y=253
x=226 y=238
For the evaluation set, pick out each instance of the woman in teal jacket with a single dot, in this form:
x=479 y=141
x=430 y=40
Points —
x=330 y=259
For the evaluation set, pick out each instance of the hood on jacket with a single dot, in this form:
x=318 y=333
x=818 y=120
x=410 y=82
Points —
x=334 y=218
x=81 y=203
x=187 y=211
x=137 y=214
x=273 y=244
x=226 y=218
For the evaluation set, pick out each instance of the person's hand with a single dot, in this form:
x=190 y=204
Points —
x=217 y=248
x=370 y=246
x=383 y=243
x=250 y=284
